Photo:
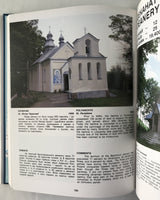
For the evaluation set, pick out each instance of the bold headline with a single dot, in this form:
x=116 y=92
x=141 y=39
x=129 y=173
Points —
x=148 y=10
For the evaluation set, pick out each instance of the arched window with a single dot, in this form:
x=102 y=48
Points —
x=98 y=71
x=88 y=47
x=80 y=71
x=89 y=71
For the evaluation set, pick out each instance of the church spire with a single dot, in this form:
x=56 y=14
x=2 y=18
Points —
x=85 y=30
x=61 y=39
x=49 y=42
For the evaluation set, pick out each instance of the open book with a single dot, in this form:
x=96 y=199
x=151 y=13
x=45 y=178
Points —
x=71 y=100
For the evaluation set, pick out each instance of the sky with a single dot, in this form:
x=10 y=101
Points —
x=73 y=27
x=153 y=66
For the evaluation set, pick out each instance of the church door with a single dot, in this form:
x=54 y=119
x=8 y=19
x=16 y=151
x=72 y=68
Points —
x=66 y=84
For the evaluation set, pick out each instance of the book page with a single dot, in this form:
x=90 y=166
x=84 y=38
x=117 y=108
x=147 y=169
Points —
x=70 y=101
x=148 y=129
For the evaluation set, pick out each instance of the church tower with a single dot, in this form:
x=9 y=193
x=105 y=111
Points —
x=49 y=43
x=61 y=40
x=87 y=69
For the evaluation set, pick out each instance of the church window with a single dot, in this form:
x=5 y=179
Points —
x=89 y=71
x=98 y=71
x=70 y=73
x=80 y=71
x=88 y=47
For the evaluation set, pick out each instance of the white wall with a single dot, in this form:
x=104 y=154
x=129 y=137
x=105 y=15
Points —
x=85 y=85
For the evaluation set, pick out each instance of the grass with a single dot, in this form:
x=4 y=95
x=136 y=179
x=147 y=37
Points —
x=121 y=99
x=99 y=102
x=145 y=143
x=28 y=100
x=141 y=126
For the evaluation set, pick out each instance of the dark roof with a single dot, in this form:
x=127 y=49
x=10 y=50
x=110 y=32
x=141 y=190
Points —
x=50 y=53
x=84 y=57
x=64 y=64
x=85 y=36
x=46 y=55
x=149 y=116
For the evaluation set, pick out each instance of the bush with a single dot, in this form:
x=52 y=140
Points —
x=141 y=126
x=22 y=102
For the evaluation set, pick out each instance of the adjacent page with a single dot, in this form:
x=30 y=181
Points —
x=5 y=117
x=148 y=133
x=70 y=101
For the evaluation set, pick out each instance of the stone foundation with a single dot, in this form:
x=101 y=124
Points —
x=89 y=94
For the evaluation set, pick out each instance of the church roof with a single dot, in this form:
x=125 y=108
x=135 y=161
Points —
x=149 y=116
x=89 y=34
x=99 y=56
x=49 y=44
x=61 y=40
x=50 y=49
x=50 y=53
x=47 y=55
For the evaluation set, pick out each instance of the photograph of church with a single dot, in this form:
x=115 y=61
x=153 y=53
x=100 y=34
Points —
x=68 y=59
x=148 y=126
x=80 y=70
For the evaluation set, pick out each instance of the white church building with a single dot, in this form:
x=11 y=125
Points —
x=154 y=117
x=79 y=70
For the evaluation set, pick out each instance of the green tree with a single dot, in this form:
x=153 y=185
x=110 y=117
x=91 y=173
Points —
x=121 y=26
x=118 y=79
x=143 y=52
x=26 y=44
x=151 y=94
